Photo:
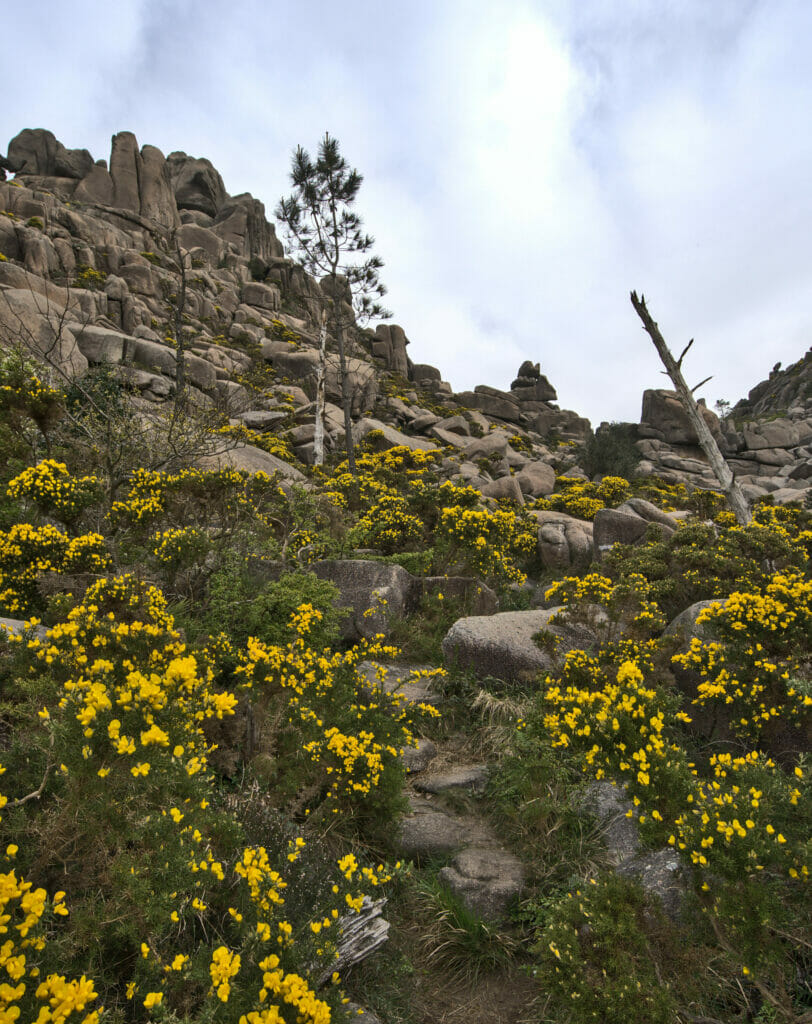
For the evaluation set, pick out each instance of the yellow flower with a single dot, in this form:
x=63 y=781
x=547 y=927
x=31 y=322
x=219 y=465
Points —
x=153 y=999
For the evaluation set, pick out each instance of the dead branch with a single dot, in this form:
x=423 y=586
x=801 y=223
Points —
x=722 y=471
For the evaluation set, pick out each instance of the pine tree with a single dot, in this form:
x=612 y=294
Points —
x=324 y=234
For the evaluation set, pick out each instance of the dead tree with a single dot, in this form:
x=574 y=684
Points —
x=673 y=368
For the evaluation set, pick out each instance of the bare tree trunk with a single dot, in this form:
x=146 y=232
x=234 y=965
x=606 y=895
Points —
x=673 y=367
x=318 y=440
x=345 y=396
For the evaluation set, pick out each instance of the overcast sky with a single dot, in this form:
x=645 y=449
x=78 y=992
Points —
x=526 y=163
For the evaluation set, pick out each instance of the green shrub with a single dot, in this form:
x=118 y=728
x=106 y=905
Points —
x=611 y=451
x=241 y=606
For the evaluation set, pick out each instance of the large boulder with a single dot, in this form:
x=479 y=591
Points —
x=390 y=345
x=507 y=487
x=564 y=542
x=38 y=151
x=780 y=433
x=611 y=526
x=156 y=198
x=492 y=402
x=196 y=183
x=264 y=296
x=252 y=460
x=240 y=221
x=373 y=593
x=663 y=417
x=503 y=645
x=193 y=236
x=32 y=321
x=536 y=479
x=101 y=344
x=385 y=436
x=125 y=163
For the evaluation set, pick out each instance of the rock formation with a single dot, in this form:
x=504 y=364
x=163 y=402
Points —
x=111 y=236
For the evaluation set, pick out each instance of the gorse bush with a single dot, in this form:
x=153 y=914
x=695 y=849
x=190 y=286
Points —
x=124 y=725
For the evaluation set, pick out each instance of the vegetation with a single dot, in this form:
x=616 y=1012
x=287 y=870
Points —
x=200 y=779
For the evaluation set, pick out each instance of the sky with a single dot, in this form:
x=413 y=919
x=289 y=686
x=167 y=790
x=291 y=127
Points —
x=526 y=163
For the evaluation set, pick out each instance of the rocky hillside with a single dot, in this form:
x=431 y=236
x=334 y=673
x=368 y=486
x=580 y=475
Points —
x=96 y=248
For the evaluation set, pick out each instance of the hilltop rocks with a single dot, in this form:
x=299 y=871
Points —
x=664 y=418
x=196 y=183
x=240 y=221
x=38 y=151
x=780 y=433
x=386 y=436
x=390 y=345
x=141 y=181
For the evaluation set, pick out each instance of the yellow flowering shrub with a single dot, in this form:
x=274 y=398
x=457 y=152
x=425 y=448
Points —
x=754 y=667
x=54 y=491
x=486 y=543
x=29 y=552
x=339 y=735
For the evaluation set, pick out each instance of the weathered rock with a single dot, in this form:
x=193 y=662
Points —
x=536 y=479
x=96 y=187
x=649 y=511
x=31 y=320
x=261 y=419
x=664 y=417
x=417 y=758
x=253 y=460
x=373 y=592
x=192 y=236
x=429 y=832
x=412 y=683
x=102 y=345
x=503 y=645
x=473 y=777
x=241 y=221
x=492 y=402
x=385 y=436
x=564 y=541
x=156 y=198
x=125 y=163
x=38 y=151
x=455 y=425
x=390 y=345
x=266 y=296
x=541 y=390
x=611 y=526
x=196 y=183
x=780 y=433
x=423 y=372
x=493 y=443
x=486 y=878
x=505 y=488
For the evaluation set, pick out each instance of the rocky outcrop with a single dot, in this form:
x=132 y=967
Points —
x=196 y=184
x=38 y=151
x=664 y=418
